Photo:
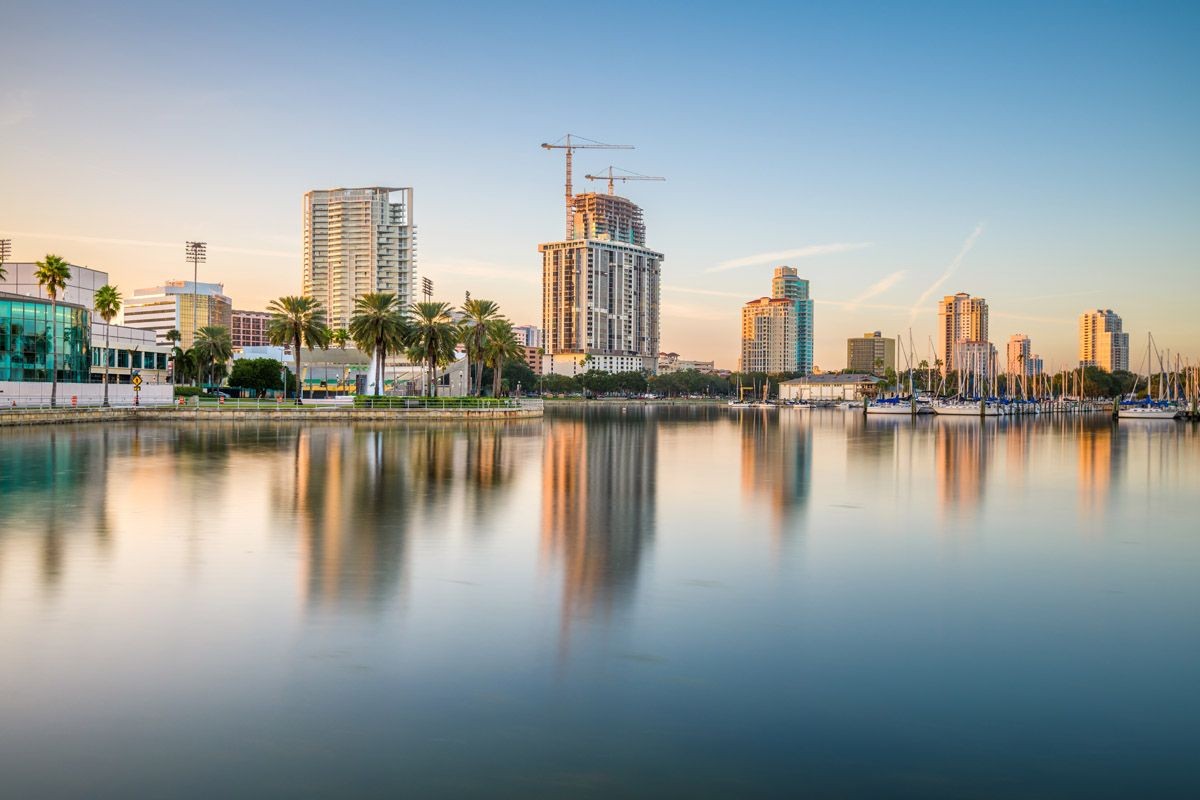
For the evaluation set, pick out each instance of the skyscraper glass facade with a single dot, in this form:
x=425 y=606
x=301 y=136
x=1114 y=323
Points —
x=28 y=349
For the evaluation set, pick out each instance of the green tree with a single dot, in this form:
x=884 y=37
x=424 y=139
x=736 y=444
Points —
x=501 y=346
x=298 y=321
x=107 y=304
x=257 y=375
x=52 y=275
x=213 y=348
x=173 y=336
x=479 y=313
x=378 y=327
x=434 y=337
x=560 y=384
x=340 y=337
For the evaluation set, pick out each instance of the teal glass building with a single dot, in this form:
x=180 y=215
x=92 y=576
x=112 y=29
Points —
x=28 y=348
x=787 y=283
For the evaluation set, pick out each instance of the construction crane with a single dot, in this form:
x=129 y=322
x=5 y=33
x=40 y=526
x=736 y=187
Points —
x=631 y=176
x=571 y=143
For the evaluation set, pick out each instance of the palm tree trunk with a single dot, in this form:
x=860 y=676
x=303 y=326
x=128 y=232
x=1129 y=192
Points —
x=53 y=351
x=299 y=375
x=479 y=378
x=106 y=343
x=497 y=369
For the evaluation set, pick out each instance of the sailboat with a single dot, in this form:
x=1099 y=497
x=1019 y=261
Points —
x=1149 y=408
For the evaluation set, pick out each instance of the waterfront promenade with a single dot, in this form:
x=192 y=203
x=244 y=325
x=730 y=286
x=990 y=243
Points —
x=411 y=409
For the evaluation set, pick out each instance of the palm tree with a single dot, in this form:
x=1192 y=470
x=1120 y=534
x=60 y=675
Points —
x=502 y=346
x=340 y=337
x=297 y=321
x=213 y=348
x=52 y=275
x=478 y=314
x=107 y=303
x=434 y=336
x=182 y=364
x=379 y=327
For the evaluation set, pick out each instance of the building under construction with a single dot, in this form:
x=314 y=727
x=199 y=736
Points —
x=600 y=290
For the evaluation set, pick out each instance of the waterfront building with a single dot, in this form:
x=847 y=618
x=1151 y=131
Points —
x=768 y=335
x=777 y=331
x=831 y=386
x=1102 y=343
x=31 y=347
x=1021 y=358
x=181 y=305
x=976 y=359
x=871 y=353
x=671 y=362
x=600 y=291
x=249 y=328
x=961 y=319
x=358 y=241
x=129 y=349
x=787 y=283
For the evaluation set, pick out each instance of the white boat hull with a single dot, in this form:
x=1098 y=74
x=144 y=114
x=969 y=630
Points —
x=969 y=410
x=1147 y=413
x=891 y=409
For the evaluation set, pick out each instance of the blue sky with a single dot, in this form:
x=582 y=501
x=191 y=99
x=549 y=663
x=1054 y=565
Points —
x=1044 y=154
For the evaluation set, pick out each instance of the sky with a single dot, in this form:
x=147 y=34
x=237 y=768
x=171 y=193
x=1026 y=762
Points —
x=1041 y=155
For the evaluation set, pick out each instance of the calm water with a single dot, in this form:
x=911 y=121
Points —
x=655 y=603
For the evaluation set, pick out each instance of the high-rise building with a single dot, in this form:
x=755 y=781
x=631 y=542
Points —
x=249 y=328
x=976 y=359
x=182 y=305
x=870 y=354
x=769 y=332
x=787 y=283
x=1102 y=343
x=961 y=319
x=529 y=335
x=1021 y=358
x=777 y=331
x=358 y=241
x=600 y=291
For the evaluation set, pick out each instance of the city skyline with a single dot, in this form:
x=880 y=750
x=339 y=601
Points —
x=1040 y=186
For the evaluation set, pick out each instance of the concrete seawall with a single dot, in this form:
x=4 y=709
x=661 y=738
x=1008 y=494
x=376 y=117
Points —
x=45 y=416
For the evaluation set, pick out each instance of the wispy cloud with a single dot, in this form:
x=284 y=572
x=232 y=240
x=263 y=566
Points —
x=212 y=248
x=788 y=255
x=481 y=269
x=950 y=270
x=15 y=107
x=877 y=288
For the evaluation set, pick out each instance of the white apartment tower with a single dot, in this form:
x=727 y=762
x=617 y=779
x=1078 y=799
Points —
x=358 y=241
x=961 y=319
x=770 y=331
x=1102 y=343
x=600 y=291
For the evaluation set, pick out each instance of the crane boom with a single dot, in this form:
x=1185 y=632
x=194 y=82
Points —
x=631 y=176
x=570 y=143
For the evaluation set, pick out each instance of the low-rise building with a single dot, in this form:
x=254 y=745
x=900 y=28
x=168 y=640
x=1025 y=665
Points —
x=249 y=328
x=871 y=353
x=830 y=386
x=533 y=357
x=579 y=363
x=671 y=362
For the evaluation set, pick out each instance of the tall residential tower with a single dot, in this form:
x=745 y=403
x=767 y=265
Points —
x=777 y=331
x=358 y=241
x=962 y=320
x=1102 y=343
x=600 y=291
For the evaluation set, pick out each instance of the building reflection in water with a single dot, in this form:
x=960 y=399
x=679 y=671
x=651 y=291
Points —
x=777 y=462
x=962 y=453
x=54 y=487
x=598 y=505
x=359 y=493
x=1100 y=462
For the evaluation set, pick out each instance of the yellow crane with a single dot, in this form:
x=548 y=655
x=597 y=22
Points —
x=570 y=143
x=629 y=176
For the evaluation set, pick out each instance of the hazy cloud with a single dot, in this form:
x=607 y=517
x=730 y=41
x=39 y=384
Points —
x=789 y=255
x=708 y=292
x=950 y=270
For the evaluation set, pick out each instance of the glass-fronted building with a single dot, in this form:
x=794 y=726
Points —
x=30 y=347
